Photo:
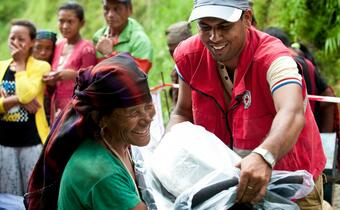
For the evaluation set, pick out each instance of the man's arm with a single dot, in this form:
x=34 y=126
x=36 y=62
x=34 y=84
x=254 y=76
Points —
x=284 y=132
x=183 y=109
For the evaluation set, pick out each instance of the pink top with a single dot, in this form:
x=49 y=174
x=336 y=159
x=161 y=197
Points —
x=82 y=55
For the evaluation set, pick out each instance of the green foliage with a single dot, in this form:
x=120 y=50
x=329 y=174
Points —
x=154 y=15
x=315 y=23
x=6 y=15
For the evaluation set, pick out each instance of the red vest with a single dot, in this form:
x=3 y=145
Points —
x=251 y=111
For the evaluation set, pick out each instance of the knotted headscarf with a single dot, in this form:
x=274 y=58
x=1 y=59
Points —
x=113 y=83
x=44 y=34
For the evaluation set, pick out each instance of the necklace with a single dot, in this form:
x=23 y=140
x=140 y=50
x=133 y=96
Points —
x=115 y=153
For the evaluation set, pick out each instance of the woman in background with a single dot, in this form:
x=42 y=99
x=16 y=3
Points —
x=71 y=54
x=43 y=49
x=44 y=45
x=23 y=125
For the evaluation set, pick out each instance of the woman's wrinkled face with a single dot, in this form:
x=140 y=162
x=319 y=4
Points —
x=20 y=36
x=131 y=125
x=43 y=49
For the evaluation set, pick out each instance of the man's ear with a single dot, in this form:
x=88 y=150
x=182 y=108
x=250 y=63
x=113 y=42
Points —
x=82 y=23
x=130 y=9
x=248 y=17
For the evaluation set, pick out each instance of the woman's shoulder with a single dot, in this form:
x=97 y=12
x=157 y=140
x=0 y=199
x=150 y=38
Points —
x=92 y=159
x=36 y=64
x=89 y=165
x=86 y=43
x=86 y=46
x=6 y=62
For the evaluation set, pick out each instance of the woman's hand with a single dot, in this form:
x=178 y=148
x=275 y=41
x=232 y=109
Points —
x=32 y=107
x=67 y=74
x=3 y=93
x=18 y=55
x=50 y=79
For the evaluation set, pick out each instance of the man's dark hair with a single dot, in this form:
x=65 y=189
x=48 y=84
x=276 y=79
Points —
x=278 y=33
x=308 y=54
x=77 y=8
x=126 y=2
x=28 y=24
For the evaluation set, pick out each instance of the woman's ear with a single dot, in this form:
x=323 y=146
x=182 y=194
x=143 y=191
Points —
x=32 y=44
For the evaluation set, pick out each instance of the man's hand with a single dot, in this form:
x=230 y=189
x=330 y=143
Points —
x=254 y=178
x=32 y=107
x=105 y=45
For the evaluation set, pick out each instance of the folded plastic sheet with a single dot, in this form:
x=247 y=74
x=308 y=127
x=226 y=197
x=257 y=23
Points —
x=189 y=160
x=189 y=152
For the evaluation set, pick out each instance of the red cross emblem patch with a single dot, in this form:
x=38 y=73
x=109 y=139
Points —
x=246 y=99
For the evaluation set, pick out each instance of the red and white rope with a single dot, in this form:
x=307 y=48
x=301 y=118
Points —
x=310 y=97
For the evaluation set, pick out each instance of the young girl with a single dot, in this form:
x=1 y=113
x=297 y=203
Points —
x=44 y=45
x=71 y=54
x=43 y=49
x=23 y=125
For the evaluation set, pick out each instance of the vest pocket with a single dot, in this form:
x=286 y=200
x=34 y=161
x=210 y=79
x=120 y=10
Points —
x=248 y=133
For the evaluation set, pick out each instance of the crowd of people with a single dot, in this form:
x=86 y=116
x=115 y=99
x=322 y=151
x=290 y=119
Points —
x=80 y=104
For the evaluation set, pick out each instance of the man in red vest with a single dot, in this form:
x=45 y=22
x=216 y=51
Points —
x=244 y=86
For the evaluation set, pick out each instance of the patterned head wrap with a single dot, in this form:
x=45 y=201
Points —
x=113 y=83
x=43 y=34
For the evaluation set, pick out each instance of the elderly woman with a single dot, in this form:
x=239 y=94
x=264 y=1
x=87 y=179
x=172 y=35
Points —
x=87 y=153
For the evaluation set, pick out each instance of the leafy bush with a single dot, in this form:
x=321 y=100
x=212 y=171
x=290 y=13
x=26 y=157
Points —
x=315 y=22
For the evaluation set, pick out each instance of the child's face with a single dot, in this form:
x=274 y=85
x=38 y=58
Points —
x=43 y=49
x=69 y=24
x=19 y=37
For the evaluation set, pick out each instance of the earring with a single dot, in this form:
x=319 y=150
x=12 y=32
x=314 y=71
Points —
x=102 y=131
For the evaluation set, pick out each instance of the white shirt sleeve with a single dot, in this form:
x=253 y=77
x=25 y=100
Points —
x=283 y=71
